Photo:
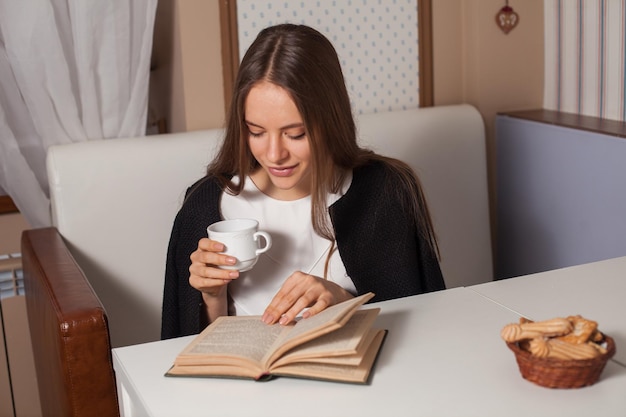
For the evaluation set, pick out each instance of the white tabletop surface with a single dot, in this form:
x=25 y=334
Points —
x=596 y=291
x=443 y=356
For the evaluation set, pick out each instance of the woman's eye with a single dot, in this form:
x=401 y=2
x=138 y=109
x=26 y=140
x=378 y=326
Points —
x=298 y=136
x=256 y=134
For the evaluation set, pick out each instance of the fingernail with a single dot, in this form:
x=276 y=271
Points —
x=233 y=274
x=267 y=318
x=284 y=320
x=230 y=260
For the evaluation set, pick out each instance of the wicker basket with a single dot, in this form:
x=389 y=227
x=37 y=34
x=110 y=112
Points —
x=557 y=373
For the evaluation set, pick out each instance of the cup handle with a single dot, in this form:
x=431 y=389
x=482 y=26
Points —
x=268 y=241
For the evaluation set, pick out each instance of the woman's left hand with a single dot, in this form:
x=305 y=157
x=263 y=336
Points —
x=300 y=291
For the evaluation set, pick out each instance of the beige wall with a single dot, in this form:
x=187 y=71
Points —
x=11 y=227
x=476 y=63
x=23 y=398
x=187 y=84
x=18 y=381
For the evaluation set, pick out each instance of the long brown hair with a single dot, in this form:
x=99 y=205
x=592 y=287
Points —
x=302 y=61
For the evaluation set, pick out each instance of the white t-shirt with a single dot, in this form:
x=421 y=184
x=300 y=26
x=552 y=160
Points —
x=295 y=246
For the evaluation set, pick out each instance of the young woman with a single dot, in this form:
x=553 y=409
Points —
x=343 y=220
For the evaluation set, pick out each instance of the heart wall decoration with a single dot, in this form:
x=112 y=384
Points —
x=507 y=19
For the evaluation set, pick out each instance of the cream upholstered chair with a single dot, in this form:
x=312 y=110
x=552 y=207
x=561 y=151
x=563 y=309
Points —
x=446 y=146
x=113 y=203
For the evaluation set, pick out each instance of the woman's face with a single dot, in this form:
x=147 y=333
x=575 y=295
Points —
x=278 y=142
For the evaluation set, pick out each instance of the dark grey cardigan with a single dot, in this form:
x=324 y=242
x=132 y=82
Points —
x=379 y=246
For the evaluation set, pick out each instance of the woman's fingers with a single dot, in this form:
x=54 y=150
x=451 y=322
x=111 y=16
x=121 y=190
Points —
x=300 y=291
x=291 y=291
x=291 y=310
x=208 y=252
x=204 y=273
x=321 y=304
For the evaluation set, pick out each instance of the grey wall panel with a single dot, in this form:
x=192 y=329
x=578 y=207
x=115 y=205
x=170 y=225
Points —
x=561 y=197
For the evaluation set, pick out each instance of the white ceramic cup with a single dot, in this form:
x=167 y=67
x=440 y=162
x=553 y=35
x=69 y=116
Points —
x=241 y=240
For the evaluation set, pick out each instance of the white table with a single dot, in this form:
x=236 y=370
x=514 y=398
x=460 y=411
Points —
x=443 y=357
x=595 y=290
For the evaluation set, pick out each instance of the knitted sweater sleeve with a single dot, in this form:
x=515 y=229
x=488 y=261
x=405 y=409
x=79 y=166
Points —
x=378 y=241
x=181 y=312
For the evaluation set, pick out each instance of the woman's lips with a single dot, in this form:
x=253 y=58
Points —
x=282 y=171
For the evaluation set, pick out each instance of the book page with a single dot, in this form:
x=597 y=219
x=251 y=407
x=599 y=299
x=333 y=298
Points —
x=352 y=360
x=323 y=322
x=343 y=341
x=345 y=373
x=226 y=371
x=245 y=337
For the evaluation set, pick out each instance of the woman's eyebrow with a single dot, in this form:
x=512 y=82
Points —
x=289 y=126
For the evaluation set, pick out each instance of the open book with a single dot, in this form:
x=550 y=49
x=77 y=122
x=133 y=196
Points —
x=338 y=344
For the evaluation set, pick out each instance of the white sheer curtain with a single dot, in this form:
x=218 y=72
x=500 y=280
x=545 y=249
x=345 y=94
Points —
x=70 y=71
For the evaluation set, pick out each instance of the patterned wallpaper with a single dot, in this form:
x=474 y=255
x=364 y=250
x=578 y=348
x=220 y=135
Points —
x=585 y=53
x=376 y=40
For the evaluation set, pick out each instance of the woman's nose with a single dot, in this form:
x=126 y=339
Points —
x=276 y=151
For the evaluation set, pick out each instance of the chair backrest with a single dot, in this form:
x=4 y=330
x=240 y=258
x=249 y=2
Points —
x=446 y=146
x=114 y=202
x=69 y=331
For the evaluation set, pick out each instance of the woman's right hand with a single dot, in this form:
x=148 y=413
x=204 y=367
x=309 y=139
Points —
x=204 y=274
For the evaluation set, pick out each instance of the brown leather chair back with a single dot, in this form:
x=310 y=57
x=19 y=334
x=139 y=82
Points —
x=69 y=331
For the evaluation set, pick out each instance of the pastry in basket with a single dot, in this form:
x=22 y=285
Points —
x=559 y=349
x=563 y=352
x=582 y=330
x=529 y=330
x=572 y=337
